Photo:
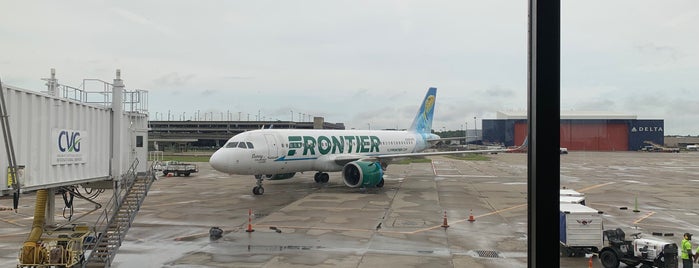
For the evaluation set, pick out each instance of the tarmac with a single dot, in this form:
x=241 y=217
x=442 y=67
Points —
x=448 y=213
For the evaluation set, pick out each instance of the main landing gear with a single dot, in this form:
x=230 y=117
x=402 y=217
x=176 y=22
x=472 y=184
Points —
x=321 y=177
x=258 y=190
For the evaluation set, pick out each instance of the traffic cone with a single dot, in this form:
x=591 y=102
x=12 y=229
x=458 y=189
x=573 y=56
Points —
x=470 y=216
x=250 y=230
x=444 y=224
x=589 y=263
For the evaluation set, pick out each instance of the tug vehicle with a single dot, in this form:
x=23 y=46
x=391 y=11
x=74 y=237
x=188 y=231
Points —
x=646 y=252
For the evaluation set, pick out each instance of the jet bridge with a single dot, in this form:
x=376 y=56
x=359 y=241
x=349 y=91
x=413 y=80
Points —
x=93 y=136
x=72 y=135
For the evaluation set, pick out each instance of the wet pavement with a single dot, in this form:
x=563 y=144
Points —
x=299 y=223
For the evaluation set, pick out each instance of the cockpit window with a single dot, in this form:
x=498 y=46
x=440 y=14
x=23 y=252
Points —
x=242 y=145
x=250 y=145
x=232 y=144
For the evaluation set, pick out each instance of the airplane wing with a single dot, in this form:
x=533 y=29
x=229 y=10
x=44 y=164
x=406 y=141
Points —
x=344 y=159
x=385 y=156
x=388 y=156
x=454 y=138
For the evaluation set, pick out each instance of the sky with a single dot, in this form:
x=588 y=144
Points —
x=367 y=64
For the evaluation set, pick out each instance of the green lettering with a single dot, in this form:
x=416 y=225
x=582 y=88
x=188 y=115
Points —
x=309 y=144
x=375 y=141
x=338 y=144
x=364 y=140
x=294 y=142
x=358 y=143
x=324 y=145
x=350 y=140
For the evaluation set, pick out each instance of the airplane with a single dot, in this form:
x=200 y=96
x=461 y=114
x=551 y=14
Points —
x=361 y=155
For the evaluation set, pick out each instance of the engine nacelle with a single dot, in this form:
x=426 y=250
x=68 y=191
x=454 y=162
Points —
x=282 y=176
x=362 y=174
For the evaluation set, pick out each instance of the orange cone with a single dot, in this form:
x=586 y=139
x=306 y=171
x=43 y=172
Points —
x=589 y=264
x=470 y=216
x=444 y=224
x=250 y=230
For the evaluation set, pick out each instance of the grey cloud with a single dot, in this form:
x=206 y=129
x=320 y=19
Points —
x=238 y=77
x=661 y=51
x=173 y=79
x=499 y=91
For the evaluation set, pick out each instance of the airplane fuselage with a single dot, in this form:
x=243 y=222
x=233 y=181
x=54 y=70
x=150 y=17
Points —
x=278 y=151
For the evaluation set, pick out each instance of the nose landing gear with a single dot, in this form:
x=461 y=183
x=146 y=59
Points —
x=258 y=190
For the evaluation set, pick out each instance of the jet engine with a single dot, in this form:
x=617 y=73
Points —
x=282 y=176
x=363 y=174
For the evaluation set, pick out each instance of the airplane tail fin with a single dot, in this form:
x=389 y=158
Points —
x=423 y=120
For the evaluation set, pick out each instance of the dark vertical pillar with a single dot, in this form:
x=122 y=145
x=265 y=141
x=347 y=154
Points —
x=543 y=158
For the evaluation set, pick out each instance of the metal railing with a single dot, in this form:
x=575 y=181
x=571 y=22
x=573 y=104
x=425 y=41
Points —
x=111 y=226
x=99 y=92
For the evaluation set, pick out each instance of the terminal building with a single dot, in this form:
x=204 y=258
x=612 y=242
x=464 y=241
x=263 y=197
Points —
x=184 y=135
x=581 y=131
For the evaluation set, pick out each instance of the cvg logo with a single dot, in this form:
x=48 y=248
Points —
x=69 y=141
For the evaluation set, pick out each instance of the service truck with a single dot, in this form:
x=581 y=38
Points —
x=178 y=168
x=581 y=229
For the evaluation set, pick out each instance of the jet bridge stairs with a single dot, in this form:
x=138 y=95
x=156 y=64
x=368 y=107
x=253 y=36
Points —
x=113 y=224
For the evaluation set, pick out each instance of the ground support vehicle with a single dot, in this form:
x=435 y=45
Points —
x=178 y=168
x=580 y=230
x=646 y=252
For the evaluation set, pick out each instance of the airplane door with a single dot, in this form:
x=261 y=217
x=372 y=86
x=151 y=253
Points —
x=272 y=146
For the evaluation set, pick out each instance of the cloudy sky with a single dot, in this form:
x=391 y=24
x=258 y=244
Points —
x=363 y=63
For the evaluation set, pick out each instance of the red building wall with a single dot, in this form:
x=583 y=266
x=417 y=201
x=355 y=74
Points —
x=587 y=136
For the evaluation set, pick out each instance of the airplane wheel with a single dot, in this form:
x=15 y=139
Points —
x=316 y=177
x=609 y=259
x=380 y=184
x=258 y=190
x=324 y=178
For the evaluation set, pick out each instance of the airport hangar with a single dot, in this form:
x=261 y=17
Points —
x=581 y=131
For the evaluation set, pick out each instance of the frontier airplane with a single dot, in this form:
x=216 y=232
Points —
x=361 y=155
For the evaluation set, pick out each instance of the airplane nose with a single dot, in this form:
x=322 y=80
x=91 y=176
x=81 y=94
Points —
x=218 y=161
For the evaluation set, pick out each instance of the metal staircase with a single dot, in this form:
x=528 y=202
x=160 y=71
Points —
x=115 y=221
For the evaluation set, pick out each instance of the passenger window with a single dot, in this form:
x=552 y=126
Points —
x=232 y=144
x=242 y=145
x=250 y=145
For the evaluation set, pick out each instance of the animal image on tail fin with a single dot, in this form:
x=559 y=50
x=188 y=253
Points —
x=423 y=120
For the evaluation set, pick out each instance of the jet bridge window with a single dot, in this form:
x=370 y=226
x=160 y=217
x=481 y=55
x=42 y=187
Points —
x=232 y=144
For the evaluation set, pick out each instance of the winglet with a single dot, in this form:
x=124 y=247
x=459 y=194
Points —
x=523 y=147
x=423 y=120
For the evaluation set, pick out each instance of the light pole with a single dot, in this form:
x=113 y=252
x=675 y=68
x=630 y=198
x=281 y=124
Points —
x=369 y=125
x=292 y=116
x=475 y=127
